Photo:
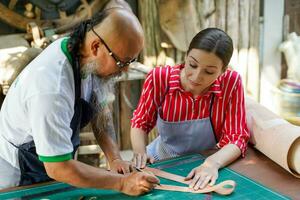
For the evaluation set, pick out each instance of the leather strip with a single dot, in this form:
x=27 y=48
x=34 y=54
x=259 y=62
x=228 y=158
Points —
x=223 y=188
x=167 y=175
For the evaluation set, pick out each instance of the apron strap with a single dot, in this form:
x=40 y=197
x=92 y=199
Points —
x=210 y=115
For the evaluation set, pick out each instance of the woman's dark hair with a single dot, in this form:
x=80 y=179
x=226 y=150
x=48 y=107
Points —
x=215 y=41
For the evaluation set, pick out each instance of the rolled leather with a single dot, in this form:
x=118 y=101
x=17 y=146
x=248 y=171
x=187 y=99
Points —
x=273 y=136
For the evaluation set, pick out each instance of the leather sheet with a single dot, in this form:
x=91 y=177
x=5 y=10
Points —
x=273 y=136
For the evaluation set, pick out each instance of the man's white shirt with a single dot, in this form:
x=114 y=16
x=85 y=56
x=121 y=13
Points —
x=39 y=106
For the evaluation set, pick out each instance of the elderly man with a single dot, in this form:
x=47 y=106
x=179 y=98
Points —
x=56 y=94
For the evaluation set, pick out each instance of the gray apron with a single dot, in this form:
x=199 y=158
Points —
x=184 y=137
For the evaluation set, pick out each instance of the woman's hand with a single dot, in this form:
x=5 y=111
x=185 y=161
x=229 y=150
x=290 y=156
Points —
x=140 y=159
x=121 y=166
x=204 y=174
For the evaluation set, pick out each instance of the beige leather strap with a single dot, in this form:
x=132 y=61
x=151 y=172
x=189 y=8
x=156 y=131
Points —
x=223 y=188
x=167 y=175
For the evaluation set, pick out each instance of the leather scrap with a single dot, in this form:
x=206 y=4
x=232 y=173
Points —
x=223 y=188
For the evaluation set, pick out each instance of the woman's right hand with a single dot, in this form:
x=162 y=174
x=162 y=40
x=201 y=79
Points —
x=137 y=183
x=140 y=159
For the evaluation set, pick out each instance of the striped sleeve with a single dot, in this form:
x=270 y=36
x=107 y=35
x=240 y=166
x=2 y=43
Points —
x=145 y=115
x=235 y=129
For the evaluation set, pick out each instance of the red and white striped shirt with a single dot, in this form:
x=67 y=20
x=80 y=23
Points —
x=228 y=109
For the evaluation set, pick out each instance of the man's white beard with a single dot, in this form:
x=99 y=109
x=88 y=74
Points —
x=103 y=90
x=103 y=87
x=90 y=68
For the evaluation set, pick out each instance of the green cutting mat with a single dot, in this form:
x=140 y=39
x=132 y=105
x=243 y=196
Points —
x=245 y=189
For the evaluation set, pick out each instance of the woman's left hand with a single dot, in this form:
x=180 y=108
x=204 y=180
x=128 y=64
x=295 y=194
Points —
x=204 y=174
x=121 y=166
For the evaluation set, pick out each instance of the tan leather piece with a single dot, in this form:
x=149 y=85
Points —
x=220 y=188
x=167 y=175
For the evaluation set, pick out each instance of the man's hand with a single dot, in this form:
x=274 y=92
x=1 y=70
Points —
x=140 y=159
x=202 y=175
x=121 y=166
x=137 y=183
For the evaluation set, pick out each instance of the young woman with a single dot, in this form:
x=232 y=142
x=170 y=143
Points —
x=195 y=106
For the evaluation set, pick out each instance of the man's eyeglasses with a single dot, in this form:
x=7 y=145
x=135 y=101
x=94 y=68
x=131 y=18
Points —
x=119 y=63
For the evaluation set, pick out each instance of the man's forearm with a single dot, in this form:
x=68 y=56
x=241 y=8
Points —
x=109 y=147
x=81 y=175
x=104 y=132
